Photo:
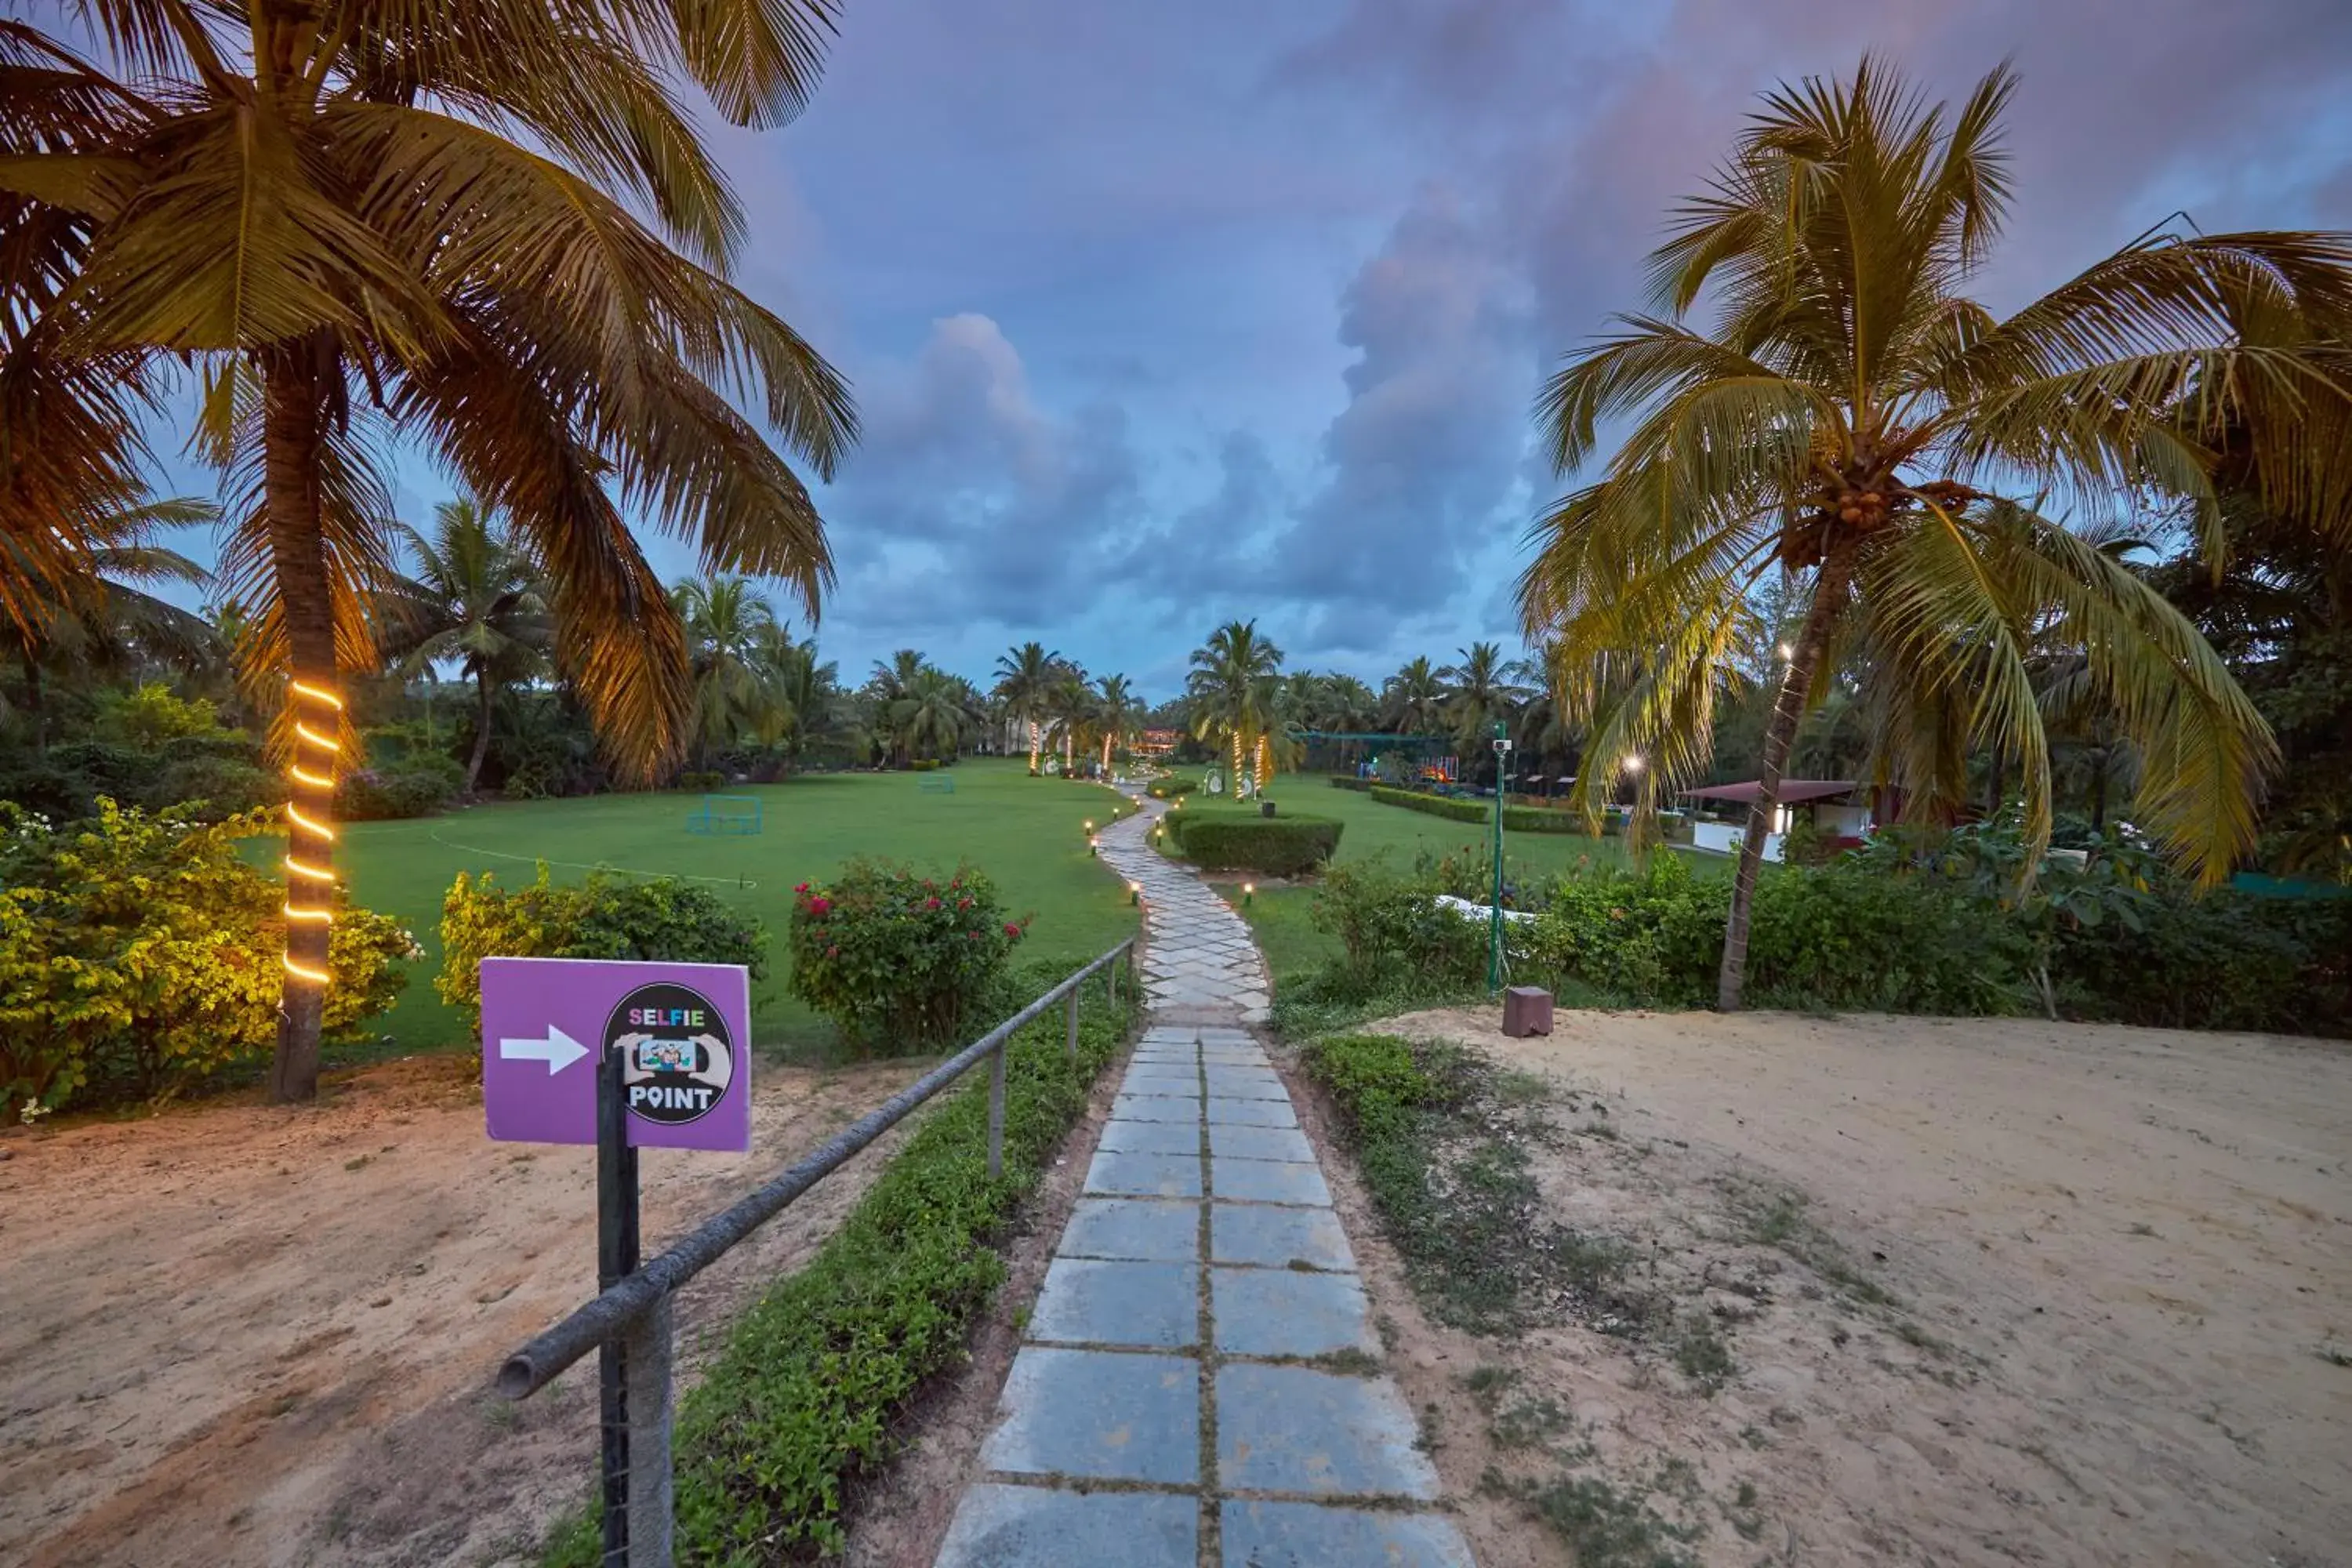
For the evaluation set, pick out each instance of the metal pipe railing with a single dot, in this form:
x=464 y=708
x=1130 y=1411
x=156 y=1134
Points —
x=614 y=1313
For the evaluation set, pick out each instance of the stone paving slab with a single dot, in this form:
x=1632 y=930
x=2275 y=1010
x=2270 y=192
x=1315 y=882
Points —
x=1099 y=1414
x=1261 y=1143
x=1263 y=1237
x=1019 y=1527
x=1103 y=1302
x=1286 y=1312
x=1147 y=1230
x=1226 y=1112
x=1269 y=1181
x=1144 y=1176
x=1150 y=1138
x=1267 y=1534
x=1294 y=1429
x=1112 y=1384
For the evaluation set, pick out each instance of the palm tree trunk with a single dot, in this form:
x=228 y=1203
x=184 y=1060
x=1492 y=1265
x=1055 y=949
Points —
x=293 y=427
x=1034 y=738
x=2099 y=793
x=1779 y=738
x=481 y=730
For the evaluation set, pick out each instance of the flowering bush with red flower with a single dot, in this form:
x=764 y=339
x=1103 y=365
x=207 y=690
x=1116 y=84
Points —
x=897 y=961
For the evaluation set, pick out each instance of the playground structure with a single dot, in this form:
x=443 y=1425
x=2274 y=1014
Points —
x=736 y=816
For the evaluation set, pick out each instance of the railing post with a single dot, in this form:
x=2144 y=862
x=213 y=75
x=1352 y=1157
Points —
x=996 y=1111
x=648 y=1343
x=1070 y=1047
x=1111 y=981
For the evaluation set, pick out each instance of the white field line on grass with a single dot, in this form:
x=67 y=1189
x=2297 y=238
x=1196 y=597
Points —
x=745 y=883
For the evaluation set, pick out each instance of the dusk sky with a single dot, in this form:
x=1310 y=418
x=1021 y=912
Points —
x=1158 y=315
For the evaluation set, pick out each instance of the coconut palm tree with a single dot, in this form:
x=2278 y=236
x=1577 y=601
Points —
x=1024 y=675
x=730 y=632
x=1070 y=713
x=106 y=622
x=802 y=695
x=1482 y=691
x=928 y=719
x=1412 y=701
x=1234 y=685
x=476 y=597
x=1118 y=714
x=1846 y=419
x=440 y=209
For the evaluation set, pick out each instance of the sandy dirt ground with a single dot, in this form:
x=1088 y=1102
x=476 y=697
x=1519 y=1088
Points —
x=244 y=1336
x=1991 y=1291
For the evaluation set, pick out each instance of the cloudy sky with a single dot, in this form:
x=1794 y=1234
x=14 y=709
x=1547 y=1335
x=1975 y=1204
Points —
x=1158 y=314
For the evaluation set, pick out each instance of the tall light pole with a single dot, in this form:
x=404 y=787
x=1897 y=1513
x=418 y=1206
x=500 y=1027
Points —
x=1495 y=912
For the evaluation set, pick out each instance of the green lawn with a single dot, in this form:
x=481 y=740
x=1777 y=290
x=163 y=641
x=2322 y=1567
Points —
x=1024 y=833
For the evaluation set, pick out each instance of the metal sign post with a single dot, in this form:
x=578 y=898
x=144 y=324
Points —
x=616 y=1259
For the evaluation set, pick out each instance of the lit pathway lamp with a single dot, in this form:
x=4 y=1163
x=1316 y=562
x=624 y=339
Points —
x=1249 y=892
x=1135 y=894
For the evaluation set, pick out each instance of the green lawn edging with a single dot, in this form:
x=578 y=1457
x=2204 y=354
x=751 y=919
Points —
x=800 y=1401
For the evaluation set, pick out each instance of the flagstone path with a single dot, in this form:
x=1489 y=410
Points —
x=1199 y=1384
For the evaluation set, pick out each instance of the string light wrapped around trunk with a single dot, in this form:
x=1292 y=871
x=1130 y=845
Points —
x=320 y=712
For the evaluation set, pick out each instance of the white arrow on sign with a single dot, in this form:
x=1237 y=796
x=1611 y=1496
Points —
x=559 y=1050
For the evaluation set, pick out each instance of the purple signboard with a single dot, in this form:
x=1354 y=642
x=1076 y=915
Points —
x=684 y=1032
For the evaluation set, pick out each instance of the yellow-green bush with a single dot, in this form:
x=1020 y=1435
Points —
x=139 y=953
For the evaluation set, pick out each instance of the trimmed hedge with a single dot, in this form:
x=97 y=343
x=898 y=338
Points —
x=807 y=1393
x=1343 y=781
x=1170 y=787
x=1276 y=845
x=1516 y=819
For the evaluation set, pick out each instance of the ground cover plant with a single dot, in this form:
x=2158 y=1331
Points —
x=804 y=1397
x=1028 y=834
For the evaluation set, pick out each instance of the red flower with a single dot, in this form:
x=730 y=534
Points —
x=802 y=888
x=930 y=903
x=927 y=884
x=1012 y=930
x=833 y=952
x=963 y=903
x=820 y=906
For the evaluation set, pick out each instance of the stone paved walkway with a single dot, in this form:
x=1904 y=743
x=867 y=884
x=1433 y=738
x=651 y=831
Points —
x=1199 y=1385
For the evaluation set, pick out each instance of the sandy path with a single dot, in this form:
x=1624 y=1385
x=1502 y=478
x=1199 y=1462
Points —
x=242 y=1334
x=2137 y=1245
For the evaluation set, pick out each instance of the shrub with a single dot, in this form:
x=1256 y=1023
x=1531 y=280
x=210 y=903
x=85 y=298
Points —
x=925 y=764
x=1394 y=933
x=138 y=955
x=417 y=786
x=1273 y=845
x=121 y=772
x=654 y=918
x=149 y=714
x=703 y=779
x=1348 y=781
x=1170 y=787
x=896 y=959
x=213 y=787
x=1516 y=819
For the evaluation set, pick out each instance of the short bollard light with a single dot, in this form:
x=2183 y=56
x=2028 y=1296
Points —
x=1249 y=892
x=1090 y=827
x=1135 y=893
x=1094 y=845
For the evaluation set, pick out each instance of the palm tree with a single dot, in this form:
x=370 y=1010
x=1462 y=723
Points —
x=476 y=598
x=1481 y=691
x=1845 y=420
x=730 y=632
x=928 y=719
x=443 y=212
x=1234 y=683
x=1118 y=713
x=107 y=622
x=800 y=696
x=1069 y=712
x=1412 y=701
x=888 y=688
x=1024 y=675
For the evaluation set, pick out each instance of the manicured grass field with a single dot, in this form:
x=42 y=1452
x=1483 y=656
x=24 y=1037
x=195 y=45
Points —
x=1024 y=833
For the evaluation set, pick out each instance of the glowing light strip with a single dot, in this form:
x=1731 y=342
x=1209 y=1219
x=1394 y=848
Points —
x=304 y=688
x=313 y=914
x=304 y=971
x=306 y=825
